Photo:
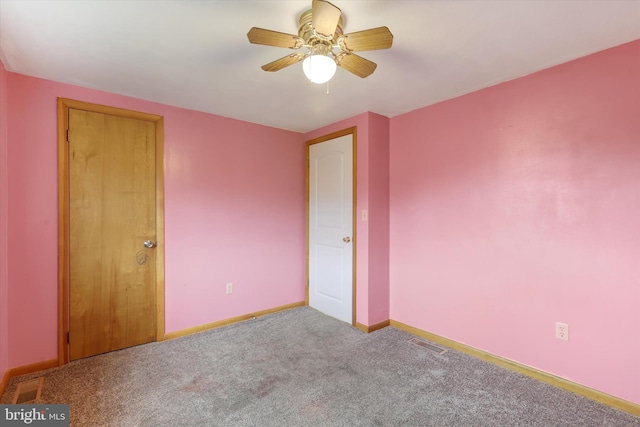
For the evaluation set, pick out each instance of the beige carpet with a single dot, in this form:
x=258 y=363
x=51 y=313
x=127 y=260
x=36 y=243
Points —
x=301 y=368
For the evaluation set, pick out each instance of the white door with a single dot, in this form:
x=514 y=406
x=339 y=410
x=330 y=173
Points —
x=331 y=227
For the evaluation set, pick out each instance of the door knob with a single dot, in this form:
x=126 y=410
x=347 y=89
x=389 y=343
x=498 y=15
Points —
x=149 y=244
x=346 y=239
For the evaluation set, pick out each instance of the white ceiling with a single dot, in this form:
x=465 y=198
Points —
x=195 y=54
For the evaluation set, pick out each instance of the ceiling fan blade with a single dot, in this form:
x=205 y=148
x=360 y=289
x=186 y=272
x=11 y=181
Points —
x=371 y=39
x=274 y=38
x=281 y=63
x=324 y=17
x=356 y=64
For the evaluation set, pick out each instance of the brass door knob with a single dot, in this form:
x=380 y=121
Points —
x=346 y=239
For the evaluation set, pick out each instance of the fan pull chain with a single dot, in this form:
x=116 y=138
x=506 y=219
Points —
x=327 y=88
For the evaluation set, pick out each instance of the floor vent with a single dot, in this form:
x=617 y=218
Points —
x=429 y=346
x=28 y=391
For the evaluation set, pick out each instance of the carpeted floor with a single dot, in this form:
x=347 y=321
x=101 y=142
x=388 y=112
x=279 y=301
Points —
x=302 y=368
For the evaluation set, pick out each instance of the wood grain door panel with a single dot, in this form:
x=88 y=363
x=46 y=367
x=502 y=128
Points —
x=112 y=211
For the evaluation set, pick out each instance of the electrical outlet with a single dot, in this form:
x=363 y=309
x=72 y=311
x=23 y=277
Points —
x=562 y=331
x=229 y=288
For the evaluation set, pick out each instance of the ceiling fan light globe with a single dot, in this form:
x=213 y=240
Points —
x=319 y=68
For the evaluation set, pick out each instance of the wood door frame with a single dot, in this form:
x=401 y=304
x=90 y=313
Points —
x=353 y=132
x=63 y=213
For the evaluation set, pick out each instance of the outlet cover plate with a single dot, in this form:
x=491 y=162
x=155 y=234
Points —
x=562 y=331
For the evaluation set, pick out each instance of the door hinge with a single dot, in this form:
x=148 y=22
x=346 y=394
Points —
x=68 y=136
x=67 y=337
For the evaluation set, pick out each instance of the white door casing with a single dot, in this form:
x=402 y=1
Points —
x=331 y=239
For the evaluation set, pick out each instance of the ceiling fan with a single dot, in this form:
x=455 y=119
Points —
x=320 y=32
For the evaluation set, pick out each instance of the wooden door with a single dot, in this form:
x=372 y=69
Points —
x=331 y=227
x=112 y=212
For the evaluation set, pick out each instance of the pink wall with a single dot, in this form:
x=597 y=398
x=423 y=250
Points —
x=372 y=193
x=234 y=212
x=518 y=206
x=4 y=289
x=378 y=218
